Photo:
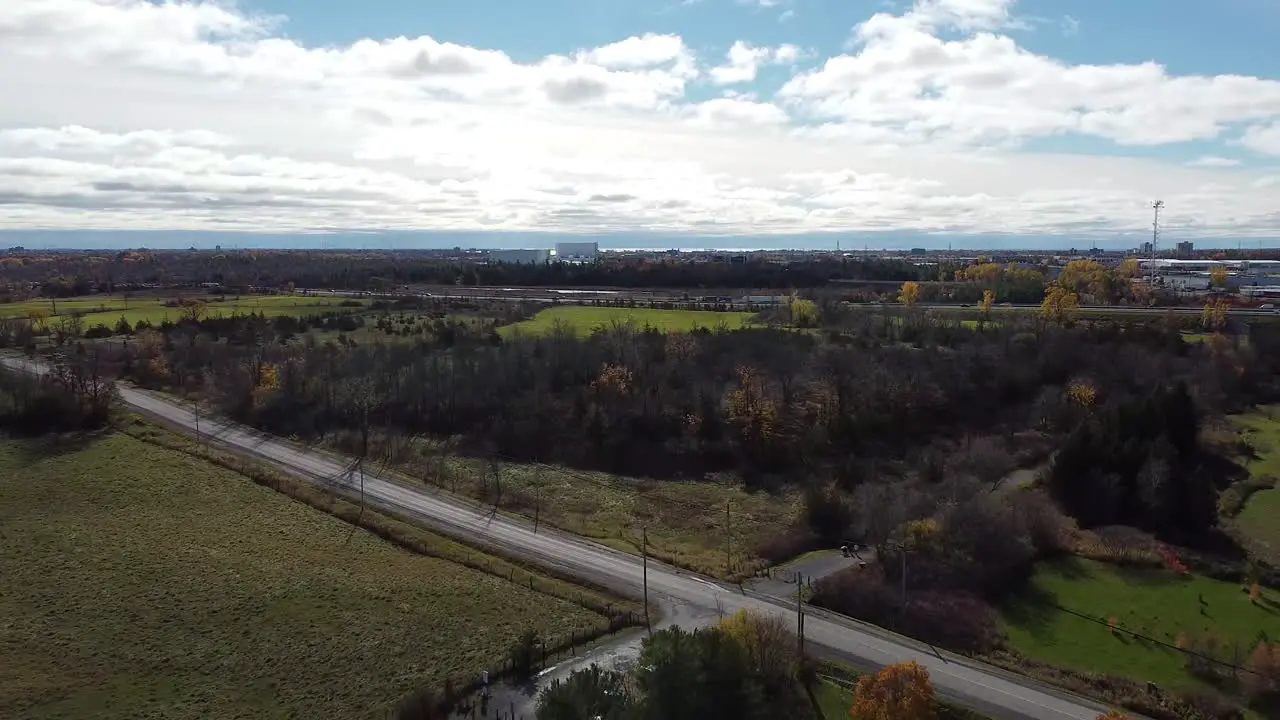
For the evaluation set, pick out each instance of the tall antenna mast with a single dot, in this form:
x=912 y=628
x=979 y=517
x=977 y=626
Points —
x=1155 y=238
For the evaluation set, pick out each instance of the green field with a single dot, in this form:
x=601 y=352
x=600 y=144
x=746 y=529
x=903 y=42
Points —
x=686 y=521
x=108 y=309
x=142 y=582
x=584 y=320
x=1260 y=520
x=1260 y=517
x=1154 y=603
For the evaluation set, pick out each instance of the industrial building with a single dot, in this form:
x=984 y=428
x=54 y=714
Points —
x=519 y=257
x=577 y=251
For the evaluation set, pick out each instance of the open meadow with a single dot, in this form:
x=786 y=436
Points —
x=686 y=521
x=585 y=319
x=1155 y=603
x=1259 y=516
x=140 y=581
x=108 y=309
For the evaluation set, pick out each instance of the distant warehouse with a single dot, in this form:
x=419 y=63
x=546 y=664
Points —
x=577 y=251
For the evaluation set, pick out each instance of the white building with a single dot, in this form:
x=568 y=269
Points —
x=577 y=251
x=519 y=257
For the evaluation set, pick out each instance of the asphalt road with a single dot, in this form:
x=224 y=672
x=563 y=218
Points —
x=1001 y=695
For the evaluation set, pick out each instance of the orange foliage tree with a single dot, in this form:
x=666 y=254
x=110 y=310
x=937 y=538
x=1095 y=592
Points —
x=910 y=293
x=1113 y=715
x=898 y=692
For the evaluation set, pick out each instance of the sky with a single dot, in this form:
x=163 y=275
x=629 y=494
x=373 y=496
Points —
x=751 y=122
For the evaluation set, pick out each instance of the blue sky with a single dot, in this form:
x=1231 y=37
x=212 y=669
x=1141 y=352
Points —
x=1054 y=121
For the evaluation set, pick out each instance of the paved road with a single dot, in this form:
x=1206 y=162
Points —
x=998 y=694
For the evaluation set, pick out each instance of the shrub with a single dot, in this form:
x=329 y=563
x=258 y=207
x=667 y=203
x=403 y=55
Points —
x=524 y=654
x=956 y=620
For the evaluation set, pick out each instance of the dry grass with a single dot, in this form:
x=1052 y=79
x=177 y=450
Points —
x=686 y=521
x=142 y=581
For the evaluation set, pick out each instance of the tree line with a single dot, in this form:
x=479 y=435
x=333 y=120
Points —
x=80 y=273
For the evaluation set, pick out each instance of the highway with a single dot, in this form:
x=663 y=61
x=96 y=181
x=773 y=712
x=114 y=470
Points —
x=1001 y=695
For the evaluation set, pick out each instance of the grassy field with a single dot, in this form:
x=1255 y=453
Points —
x=142 y=582
x=1154 y=603
x=585 y=319
x=686 y=520
x=1260 y=517
x=1260 y=520
x=108 y=309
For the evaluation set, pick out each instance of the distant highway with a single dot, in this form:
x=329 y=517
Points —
x=998 y=694
x=569 y=296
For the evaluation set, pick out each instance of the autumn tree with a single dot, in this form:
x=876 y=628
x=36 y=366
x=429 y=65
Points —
x=910 y=293
x=39 y=319
x=988 y=300
x=1060 y=305
x=1215 y=315
x=1113 y=715
x=1263 y=681
x=804 y=313
x=770 y=645
x=1088 y=278
x=1129 y=268
x=193 y=310
x=898 y=692
x=1218 y=277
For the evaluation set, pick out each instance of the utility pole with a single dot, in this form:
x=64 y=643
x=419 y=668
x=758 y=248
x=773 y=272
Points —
x=904 y=579
x=644 y=553
x=799 y=614
x=728 y=542
x=1155 y=237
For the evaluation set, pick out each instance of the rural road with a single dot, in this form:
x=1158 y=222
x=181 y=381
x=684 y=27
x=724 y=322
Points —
x=1000 y=695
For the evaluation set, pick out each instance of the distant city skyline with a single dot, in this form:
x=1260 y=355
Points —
x=852 y=243
x=751 y=118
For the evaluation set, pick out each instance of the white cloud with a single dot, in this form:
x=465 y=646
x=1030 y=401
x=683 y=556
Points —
x=1263 y=138
x=1070 y=26
x=744 y=61
x=135 y=115
x=984 y=89
x=1213 y=161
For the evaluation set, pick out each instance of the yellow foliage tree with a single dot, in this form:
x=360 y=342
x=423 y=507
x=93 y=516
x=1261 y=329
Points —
x=39 y=319
x=898 y=692
x=1215 y=315
x=1129 y=268
x=751 y=409
x=269 y=377
x=1060 y=305
x=1218 y=276
x=1088 y=277
x=981 y=273
x=988 y=300
x=1082 y=394
x=768 y=641
x=804 y=313
x=910 y=293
